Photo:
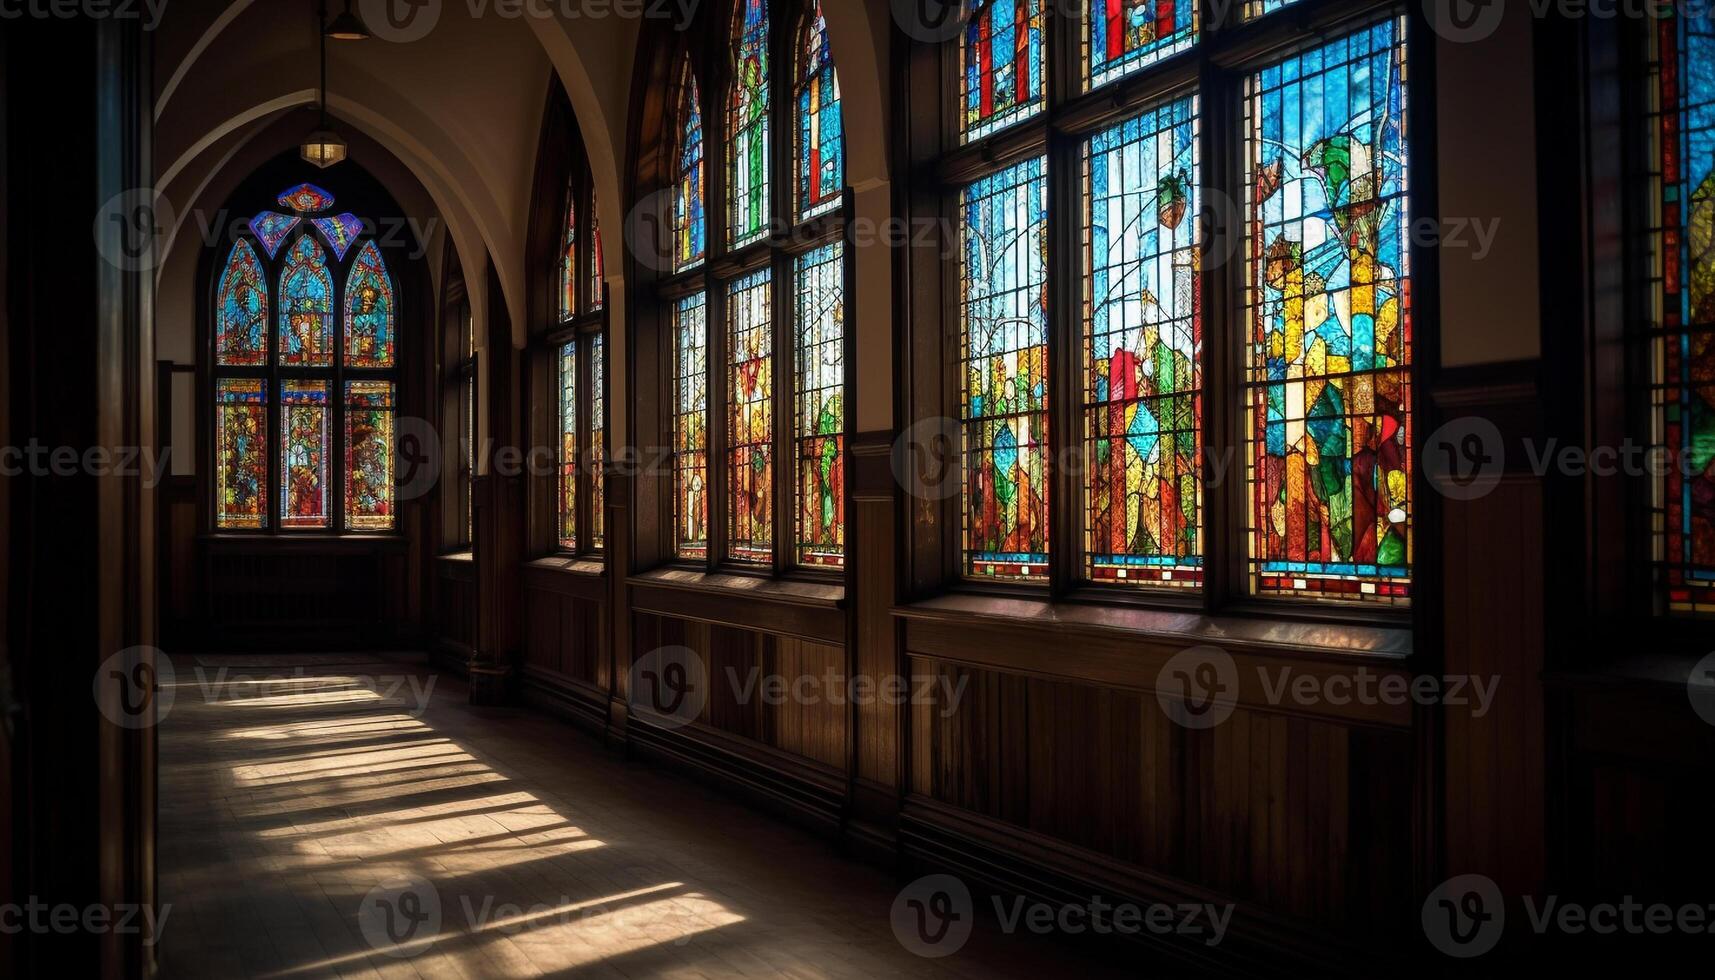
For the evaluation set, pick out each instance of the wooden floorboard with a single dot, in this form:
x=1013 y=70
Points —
x=288 y=796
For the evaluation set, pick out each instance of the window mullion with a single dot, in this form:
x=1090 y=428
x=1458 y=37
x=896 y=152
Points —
x=1064 y=329
x=1224 y=394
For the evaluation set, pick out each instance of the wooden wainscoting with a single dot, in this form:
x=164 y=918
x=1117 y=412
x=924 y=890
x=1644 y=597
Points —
x=786 y=753
x=564 y=666
x=454 y=615
x=1300 y=814
x=344 y=592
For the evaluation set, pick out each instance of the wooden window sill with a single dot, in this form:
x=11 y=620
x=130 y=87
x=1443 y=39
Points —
x=810 y=610
x=588 y=567
x=1131 y=648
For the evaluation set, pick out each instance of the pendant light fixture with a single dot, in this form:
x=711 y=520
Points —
x=348 y=26
x=323 y=147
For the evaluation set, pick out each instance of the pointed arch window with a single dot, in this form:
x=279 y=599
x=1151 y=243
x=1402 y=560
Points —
x=819 y=150
x=756 y=340
x=303 y=414
x=748 y=163
x=573 y=348
x=690 y=225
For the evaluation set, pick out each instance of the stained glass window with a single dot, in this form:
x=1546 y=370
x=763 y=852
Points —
x=271 y=229
x=820 y=150
x=1142 y=345
x=690 y=427
x=368 y=311
x=241 y=453
x=1257 y=8
x=241 y=310
x=750 y=419
x=369 y=455
x=1001 y=66
x=1125 y=35
x=1682 y=343
x=819 y=421
x=1328 y=301
x=340 y=231
x=306 y=306
x=689 y=222
x=747 y=125
x=569 y=256
x=598 y=274
x=1004 y=356
x=304 y=438
x=568 y=428
x=304 y=412
x=305 y=199
x=598 y=441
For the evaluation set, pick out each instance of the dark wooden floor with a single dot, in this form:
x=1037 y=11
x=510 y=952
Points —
x=316 y=811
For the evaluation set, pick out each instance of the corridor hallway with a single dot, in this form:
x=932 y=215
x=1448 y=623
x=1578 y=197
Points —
x=292 y=787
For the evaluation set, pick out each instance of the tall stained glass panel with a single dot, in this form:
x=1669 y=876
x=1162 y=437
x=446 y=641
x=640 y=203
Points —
x=1682 y=339
x=1001 y=64
x=369 y=455
x=750 y=419
x=368 y=311
x=1003 y=319
x=747 y=125
x=569 y=256
x=306 y=307
x=1328 y=299
x=598 y=273
x=1142 y=347
x=1125 y=35
x=241 y=310
x=819 y=411
x=304 y=421
x=690 y=225
x=820 y=148
x=598 y=441
x=691 y=427
x=568 y=448
x=241 y=453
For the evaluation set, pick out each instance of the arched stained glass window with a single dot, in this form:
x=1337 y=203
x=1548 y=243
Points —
x=1680 y=343
x=369 y=311
x=569 y=256
x=1142 y=350
x=1125 y=35
x=747 y=126
x=690 y=225
x=303 y=434
x=306 y=307
x=1329 y=346
x=820 y=147
x=1001 y=66
x=241 y=310
x=759 y=473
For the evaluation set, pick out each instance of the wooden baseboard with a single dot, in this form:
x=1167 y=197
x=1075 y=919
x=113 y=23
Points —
x=1009 y=861
x=784 y=784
